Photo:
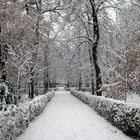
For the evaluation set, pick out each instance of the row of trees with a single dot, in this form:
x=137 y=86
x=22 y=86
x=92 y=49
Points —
x=25 y=28
x=107 y=35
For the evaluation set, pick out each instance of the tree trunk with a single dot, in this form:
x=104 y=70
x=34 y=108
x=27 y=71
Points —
x=46 y=82
x=96 y=37
x=90 y=59
x=80 y=81
x=29 y=91
x=32 y=89
x=92 y=82
x=31 y=84
x=97 y=72
x=3 y=57
x=92 y=70
x=18 y=84
x=34 y=55
x=80 y=65
x=46 y=75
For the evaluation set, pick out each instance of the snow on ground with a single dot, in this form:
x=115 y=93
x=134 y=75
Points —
x=133 y=98
x=24 y=99
x=67 y=118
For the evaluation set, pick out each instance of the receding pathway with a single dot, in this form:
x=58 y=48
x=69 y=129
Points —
x=67 y=118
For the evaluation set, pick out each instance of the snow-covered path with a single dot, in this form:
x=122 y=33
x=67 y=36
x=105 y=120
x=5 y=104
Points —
x=67 y=118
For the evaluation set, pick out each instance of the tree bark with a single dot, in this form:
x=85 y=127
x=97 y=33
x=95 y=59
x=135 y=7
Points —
x=29 y=91
x=96 y=37
x=80 y=81
x=91 y=60
x=91 y=72
x=31 y=84
x=3 y=57
x=32 y=89
x=46 y=74
x=80 y=65
x=34 y=55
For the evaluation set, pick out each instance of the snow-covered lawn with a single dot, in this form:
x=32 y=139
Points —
x=24 y=99
x=133 y=98
x=67 y=118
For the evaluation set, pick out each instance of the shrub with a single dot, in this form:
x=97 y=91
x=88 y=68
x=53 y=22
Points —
x=14 y=120
x=122 y=115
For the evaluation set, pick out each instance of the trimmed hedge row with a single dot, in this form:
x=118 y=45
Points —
x=14 y=120
x=122 y=115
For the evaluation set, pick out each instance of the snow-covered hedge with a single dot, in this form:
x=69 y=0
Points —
x=14 y=120
x=122 y=115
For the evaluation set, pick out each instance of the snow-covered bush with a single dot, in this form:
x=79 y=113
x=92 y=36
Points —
x=14 y=120
x=122 y=115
